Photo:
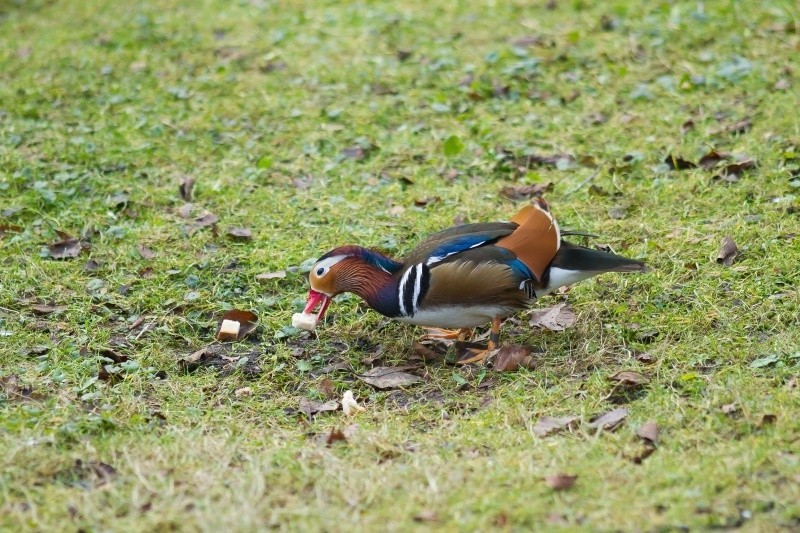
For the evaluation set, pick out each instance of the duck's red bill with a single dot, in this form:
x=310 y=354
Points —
x=314 y=299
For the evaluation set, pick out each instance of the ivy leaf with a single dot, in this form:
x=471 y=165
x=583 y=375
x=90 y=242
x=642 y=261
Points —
x=453 y=146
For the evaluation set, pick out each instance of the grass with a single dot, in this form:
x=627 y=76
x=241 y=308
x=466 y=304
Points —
x=105 y=107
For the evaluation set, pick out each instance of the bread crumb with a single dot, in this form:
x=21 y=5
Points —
x=306 y=321
x=349 y=404
x=229 y=330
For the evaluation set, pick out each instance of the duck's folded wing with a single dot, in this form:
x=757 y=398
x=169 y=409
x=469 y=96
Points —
x=451 y=242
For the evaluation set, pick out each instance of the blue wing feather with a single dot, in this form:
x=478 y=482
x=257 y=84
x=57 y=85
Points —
x=458 y=244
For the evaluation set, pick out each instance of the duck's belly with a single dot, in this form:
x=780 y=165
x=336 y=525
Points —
x=457 y=317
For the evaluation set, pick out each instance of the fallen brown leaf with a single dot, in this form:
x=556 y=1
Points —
x=425 y=352
x=560 y=481
x=512 y=357
x=731 y=172
x=547 y=425
x=209 y=219
x=648 y=432
x=384 y=377
x=768 y=420
x=248 y=322
x=102 y=473
x=609 y=421
x=678 y=163
x=312 y=407
x=712 y=158
x=240 y=234
x=186 y=188
x=337 y=435
x=145 y=252
x=629 y=379
x=525 y=192
x=727 y=251
x=67 y=248
x=12 y=389
x=556 y=318
x=185 y=210
x=44 y=309
x=8 y=228
x=326 y=388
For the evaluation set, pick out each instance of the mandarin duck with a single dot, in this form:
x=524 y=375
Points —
x=462 y=277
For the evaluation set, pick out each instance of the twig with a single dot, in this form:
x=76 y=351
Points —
x=584 y=182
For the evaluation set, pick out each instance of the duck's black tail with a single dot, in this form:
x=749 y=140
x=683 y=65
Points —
x=573 y=257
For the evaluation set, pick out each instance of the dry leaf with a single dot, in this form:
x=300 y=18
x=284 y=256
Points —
x=384 y=377
x=560 y=481
x=712 y=158
x=678 y=163
x=525 y=192
x=240 y=234
x=649 y=432
x=44 y=310
x=186 y=188
x=145 y=252
x=280 y=274
x=349 y=404
x=768 y=420
x=731 y=172
x=8 y=228
x=312 y=407
x=334 y=435
x=629 y=379
x=548 y=424
x=727 y=251
x=326 y=388
x=243 y=392
x=209 y=219
x=513 y=357
x=609 y=421
x=425 y=352
x=248 y=322
x=67 y=248
x=556 y=318
x=185 y=210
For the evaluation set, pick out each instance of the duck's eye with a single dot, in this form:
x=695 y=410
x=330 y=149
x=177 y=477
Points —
x=320 y=271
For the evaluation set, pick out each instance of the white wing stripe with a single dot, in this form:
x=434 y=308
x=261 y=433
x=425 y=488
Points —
x=417 y=287
x=402 y=290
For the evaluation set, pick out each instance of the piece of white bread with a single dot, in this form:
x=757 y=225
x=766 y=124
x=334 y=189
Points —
x=229 y=330
x=306 y=321
x=349 y=404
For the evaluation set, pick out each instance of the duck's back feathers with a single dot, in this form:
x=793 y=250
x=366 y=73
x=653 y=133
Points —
x=452 y=241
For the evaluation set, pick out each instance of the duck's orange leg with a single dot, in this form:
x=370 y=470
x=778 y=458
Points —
x=494 y=342
x=439 y=334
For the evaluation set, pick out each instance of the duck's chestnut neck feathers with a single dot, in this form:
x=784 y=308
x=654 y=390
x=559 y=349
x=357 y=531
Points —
x=369 y=275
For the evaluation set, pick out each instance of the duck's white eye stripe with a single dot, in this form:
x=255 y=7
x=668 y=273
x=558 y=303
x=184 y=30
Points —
x=328 y=263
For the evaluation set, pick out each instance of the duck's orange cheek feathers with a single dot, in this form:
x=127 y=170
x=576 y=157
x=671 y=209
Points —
x=326 y=285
